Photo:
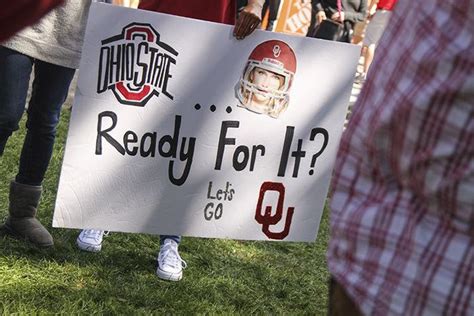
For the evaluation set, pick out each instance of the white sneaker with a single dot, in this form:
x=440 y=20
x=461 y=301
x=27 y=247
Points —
x=170 y=264
x=360 y=77
x=90 y=240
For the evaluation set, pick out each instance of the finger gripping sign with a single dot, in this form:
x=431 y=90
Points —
x=211 y=138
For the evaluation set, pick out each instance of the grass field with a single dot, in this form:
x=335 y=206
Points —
x=223 y=276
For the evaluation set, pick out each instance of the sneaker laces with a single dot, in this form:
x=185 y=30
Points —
x=360 y=77
x=169 y=256
x=94 y=234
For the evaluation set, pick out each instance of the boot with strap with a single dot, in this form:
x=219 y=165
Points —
x=22 y=223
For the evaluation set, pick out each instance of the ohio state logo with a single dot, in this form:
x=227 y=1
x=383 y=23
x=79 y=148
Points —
x=135 y=65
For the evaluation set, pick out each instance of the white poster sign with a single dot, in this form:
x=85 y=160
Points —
x=179 y=128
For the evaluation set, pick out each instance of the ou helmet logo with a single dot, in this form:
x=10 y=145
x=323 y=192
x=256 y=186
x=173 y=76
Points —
x=276 y=51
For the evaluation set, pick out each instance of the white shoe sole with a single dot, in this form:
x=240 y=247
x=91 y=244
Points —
x=88 y=247
x=168 y=276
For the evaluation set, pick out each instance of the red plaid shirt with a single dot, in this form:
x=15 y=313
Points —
x=403 y=193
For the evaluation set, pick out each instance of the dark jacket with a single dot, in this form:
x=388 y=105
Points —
x=354 y=10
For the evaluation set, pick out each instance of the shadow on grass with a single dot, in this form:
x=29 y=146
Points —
x=224 y=276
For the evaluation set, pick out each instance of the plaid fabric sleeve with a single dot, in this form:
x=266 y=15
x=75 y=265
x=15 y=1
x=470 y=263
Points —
x=402 y=221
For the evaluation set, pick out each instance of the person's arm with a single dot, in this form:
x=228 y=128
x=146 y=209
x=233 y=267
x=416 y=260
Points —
x=248 y=19
x=317 y=9
x=372 y=7
x=317 y=6
x=15 y=15
x=359 y=15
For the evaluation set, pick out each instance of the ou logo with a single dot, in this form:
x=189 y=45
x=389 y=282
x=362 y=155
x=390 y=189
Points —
x=276 y=51
x=267 y=219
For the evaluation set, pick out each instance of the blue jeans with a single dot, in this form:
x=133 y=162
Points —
x=175 y=238
x=50 y=88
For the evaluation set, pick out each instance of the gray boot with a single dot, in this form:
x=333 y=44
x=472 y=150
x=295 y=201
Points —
x=21 y=223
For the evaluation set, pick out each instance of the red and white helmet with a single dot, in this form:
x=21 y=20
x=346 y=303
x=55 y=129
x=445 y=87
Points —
x=275 y=56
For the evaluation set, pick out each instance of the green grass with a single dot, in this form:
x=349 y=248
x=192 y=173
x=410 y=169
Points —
x=223 y=276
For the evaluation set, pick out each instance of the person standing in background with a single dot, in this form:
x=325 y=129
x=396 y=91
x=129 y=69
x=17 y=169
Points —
x=378 y=22
x=273 y=7
x=352 y=11
x=361 y=27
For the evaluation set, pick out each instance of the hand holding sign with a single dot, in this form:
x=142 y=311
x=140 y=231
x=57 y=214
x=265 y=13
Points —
x=248 y=19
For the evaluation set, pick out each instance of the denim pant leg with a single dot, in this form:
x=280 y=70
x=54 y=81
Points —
x=173 y=237
x=274 y=6
x=15 y=70
x=50 y=88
